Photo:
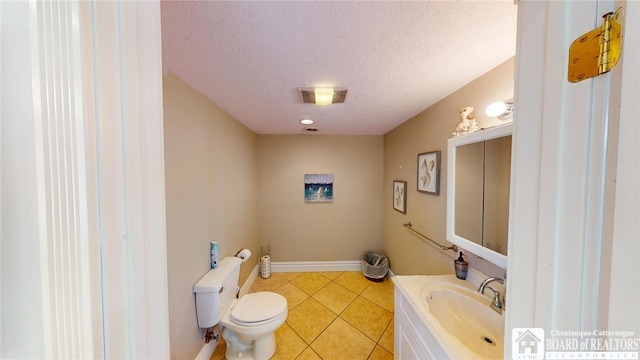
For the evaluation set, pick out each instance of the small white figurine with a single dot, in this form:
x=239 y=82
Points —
x=467 y=123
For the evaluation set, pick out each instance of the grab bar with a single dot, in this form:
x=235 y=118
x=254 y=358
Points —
x=409 y=226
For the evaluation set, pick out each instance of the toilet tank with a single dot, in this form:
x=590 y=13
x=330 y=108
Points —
x=215 y=291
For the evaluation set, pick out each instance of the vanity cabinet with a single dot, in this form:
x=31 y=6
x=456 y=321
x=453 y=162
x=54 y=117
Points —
x=412 y=339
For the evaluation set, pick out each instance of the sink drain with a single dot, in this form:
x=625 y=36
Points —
x=488 y=340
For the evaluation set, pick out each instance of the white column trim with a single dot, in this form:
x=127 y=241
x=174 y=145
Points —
x=83 y=223
x=22 y=306
x=1 y=167
x=66 y=263
x=124 y=84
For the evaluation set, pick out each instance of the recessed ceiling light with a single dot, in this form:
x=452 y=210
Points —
x=306 y=121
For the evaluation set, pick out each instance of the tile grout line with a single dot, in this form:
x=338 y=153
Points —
x=289 y=281
x=358 y=295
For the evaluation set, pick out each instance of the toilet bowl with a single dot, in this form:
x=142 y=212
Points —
x=250 y=323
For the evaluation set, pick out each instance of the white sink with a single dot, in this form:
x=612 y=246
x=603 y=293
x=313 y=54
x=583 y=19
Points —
x=466 y=316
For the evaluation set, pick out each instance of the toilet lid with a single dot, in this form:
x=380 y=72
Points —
x=258 y=307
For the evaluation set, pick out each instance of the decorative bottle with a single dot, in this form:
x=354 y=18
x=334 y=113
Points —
x=461 y=267
x=214 y=254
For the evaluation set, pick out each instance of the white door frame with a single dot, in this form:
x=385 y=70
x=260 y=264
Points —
x=575 y=201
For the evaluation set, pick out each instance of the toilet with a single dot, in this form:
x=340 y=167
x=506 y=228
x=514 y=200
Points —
x=248 y=323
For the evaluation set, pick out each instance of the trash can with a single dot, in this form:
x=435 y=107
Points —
x=375 y=266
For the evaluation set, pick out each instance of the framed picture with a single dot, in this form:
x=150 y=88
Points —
x=429 y=172
x=318 y=188
x=400 y=196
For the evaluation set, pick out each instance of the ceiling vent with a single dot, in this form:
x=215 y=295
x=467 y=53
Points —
x=308 y=95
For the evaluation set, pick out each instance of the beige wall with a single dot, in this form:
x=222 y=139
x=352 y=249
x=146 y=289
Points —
x=211 y=172
x=429 y=131
x=342 y=230
x=225 y=183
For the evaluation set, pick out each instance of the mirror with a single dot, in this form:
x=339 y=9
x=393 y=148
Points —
x=478 y=179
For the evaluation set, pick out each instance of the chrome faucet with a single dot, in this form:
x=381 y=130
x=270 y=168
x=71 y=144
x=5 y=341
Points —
x=497 y=304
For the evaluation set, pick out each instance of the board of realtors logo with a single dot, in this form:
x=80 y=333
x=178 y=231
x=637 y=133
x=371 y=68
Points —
x=531 y=344
x=528 y=343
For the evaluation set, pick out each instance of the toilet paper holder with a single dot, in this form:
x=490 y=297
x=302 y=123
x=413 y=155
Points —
x=243 y=254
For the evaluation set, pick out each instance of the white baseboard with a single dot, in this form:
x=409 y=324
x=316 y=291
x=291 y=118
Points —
x=311 y=266
x=390 y=274
x=207 y=350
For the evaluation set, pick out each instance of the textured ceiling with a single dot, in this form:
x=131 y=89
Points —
x=397 y=58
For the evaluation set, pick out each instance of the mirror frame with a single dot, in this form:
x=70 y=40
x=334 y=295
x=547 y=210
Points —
x=452 y=144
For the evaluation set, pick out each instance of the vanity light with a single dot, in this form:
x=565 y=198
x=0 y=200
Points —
x=503 y=110
x=495 y=109
x=306 y=121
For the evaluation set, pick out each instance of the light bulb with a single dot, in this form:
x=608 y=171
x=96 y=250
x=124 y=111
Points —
x=324 y=96
x=495 y=109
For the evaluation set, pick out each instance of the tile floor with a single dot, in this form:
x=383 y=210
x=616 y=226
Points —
x=332 y=315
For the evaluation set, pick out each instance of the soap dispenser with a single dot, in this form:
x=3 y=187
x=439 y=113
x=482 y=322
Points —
x=461 y=267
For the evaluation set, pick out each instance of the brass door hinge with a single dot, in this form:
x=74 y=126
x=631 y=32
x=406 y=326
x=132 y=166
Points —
x=597 y=51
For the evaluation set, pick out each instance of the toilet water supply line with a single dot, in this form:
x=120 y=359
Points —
x=453 y=248
x=210 y=335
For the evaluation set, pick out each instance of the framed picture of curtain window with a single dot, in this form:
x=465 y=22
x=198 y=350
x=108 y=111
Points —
x=429 y=172
x=400 y=196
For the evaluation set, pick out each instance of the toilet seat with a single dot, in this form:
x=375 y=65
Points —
x=258 y=309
